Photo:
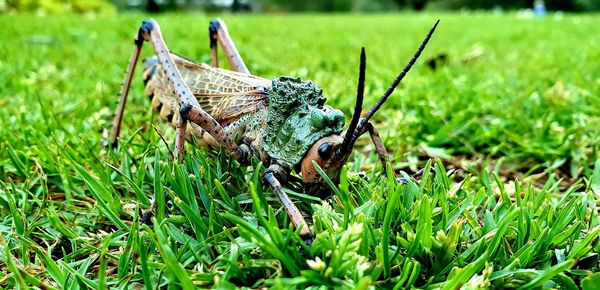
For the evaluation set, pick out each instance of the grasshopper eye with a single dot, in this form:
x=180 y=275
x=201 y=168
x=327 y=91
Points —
x=325 y=151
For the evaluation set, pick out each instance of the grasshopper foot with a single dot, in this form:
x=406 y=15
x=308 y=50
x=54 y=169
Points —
x=308 y=239
x=147 y=217
x=144 y=31
x=401 y=180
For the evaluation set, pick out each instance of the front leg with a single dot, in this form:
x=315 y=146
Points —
x=290 y=207
x=379 y=147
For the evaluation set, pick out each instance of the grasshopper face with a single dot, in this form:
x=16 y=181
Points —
x=297 y=118
x=328 y=154
x=301 y=129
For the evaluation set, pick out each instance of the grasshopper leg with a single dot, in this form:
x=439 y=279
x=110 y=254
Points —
x=180 y=127
x=290 y=207
x=189 y=107
x=195 y=114
x=212 y=35
x=135 y=55
x=218 y=33
x=379 y=147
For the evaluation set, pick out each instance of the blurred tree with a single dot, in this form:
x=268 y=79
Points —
x=564 y=5
x=349 y=5
x=60 y=6
x=235 y=7
x=308 y=5
x=374 y=5
x=588 y=5
x=412 y=4
x=152 y=6
x=481 y=4
x=386 y=5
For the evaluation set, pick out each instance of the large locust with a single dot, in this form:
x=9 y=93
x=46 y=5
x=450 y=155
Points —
x=283 y=122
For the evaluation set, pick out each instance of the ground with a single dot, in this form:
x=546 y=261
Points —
x=496 y=127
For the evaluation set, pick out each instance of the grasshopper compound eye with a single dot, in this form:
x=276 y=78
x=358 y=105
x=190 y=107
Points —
x=325 y=151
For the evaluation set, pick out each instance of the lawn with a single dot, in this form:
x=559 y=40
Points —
x=500 y=143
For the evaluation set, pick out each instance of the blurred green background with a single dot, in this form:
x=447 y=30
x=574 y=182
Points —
x=109 y=6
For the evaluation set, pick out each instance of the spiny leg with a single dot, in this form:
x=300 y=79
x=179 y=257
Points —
x=189 y=107
x=214 y=47
x=218 y=33
x=135 y=55
x=379 y=147
x=180 y=128
x=198 y=116
x=290 y=207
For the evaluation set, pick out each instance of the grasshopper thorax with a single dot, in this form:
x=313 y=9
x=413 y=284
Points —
x=296 y=119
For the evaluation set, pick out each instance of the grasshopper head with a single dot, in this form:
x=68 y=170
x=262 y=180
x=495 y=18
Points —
x=332 y=152
x=326 y=153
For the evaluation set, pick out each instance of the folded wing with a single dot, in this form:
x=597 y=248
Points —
x=225 y=95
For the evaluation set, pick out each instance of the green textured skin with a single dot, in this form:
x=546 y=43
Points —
x=296 y=120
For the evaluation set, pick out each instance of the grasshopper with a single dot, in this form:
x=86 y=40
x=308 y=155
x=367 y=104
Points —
x=284 y=122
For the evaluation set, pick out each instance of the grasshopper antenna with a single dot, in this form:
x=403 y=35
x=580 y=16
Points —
x=363 y=122
x=360 y=92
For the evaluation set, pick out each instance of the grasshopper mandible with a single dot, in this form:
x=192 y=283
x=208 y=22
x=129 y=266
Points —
x=283 y=121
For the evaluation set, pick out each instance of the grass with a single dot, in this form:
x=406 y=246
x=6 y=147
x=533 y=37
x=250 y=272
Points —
x=509 y=199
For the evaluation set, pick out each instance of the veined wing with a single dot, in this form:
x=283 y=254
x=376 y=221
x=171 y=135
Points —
x=225 y=95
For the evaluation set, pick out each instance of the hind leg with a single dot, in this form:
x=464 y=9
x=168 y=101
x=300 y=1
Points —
x=190 y=110
x=218 y=33
x=116 y=129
